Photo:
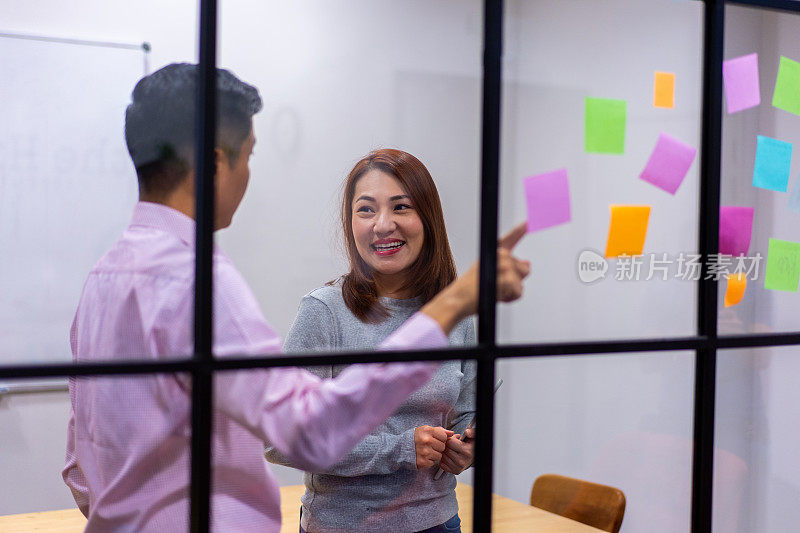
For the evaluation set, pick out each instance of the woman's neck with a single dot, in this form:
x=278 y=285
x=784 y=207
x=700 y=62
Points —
x=392 y=286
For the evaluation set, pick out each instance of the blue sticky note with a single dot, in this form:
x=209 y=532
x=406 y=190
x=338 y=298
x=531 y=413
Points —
x=773 y=160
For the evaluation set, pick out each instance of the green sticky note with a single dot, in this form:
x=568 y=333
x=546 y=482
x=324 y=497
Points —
x=783 y=266
x=787 y=86
x=605 y=126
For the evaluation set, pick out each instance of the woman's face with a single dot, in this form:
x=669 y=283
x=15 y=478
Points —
x=386 y=226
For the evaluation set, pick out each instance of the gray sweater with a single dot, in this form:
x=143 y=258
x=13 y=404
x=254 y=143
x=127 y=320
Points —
x=377 y=487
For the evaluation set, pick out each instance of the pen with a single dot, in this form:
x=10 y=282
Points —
x=471 y=423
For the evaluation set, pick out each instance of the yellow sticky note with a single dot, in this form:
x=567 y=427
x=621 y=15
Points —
x=664 y=93
x=737 y=283
x=627 y=230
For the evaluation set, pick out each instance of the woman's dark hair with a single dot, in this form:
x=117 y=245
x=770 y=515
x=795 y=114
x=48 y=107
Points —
x=160 y=123
x=433 y=269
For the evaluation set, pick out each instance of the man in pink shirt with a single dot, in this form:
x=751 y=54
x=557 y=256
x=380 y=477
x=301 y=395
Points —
x=128 y=441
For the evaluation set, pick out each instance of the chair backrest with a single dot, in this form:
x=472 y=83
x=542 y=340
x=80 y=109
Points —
x=595 y=505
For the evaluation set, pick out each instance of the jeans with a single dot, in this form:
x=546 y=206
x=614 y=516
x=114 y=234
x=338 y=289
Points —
x=451 y=526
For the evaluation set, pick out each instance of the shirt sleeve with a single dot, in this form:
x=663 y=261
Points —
x=379 y=452
x=72 y=474
x=311 y=422
x=385 y=453
x=313 y=329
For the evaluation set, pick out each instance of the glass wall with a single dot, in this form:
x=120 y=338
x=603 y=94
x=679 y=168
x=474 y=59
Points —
x=767 y=305
x=67 y=193
x=558 y=63
x=339 y=80
x=343 y=79
x=586 y=117
x=623 y=420
x=756 y=485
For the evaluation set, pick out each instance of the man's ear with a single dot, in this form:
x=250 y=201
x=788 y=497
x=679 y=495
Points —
x=220 y=158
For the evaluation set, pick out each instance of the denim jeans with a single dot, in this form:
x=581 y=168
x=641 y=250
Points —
x=451 y=526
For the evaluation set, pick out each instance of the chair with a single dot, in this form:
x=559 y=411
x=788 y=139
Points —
x=592 y=504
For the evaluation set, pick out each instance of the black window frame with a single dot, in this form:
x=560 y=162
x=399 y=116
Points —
x=705 y=343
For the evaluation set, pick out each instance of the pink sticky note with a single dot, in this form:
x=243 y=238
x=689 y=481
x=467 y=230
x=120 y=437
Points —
x=669 y=163
x=735 y=229
x=547 y=196
x=741 y=82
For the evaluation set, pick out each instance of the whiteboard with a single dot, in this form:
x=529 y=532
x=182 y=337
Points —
x=67 y=186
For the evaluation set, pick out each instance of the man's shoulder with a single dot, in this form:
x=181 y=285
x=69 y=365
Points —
x=150 y=252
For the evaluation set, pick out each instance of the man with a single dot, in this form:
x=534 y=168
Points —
x=128 y=439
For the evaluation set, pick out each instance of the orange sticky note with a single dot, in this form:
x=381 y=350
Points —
x=627 y=230
x=664 y=93
x=737 y=283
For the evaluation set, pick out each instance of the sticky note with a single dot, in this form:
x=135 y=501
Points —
x=664 y=89
x=787 y=86
x=773 y=161
x=740 y=77
x=605 y=126
x=737 y=284
x=669 y=163
x=627 y=230
x=735 y=229
x=783 y=266
x=547 y=197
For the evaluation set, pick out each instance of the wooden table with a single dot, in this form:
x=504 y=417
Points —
x=507 y=516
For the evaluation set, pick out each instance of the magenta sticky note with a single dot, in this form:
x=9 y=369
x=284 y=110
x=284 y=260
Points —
x=735 y=229
x=669 y=163
x=740 y=76
x=547 y=196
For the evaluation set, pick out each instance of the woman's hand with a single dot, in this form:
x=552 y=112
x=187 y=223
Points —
x=429 y=443
x=458 y=454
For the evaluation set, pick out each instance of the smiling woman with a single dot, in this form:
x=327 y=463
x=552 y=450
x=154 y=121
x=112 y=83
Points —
x=387 y=230
x=394 y=232
x=399 y=259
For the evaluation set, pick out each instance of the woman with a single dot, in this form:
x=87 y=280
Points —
x=400 y=258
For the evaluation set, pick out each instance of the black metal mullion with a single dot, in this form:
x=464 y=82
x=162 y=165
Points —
x=510 y=351
x=490 y=178
x=484 y=458
x=202 y=379
x=708 y=243
x=490 y=169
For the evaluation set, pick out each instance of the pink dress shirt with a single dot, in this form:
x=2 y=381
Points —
x=128 y=440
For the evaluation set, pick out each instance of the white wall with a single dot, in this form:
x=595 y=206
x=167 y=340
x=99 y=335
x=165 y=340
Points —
x=339 y=79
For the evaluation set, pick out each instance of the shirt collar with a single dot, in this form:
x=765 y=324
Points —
x=166 y=219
